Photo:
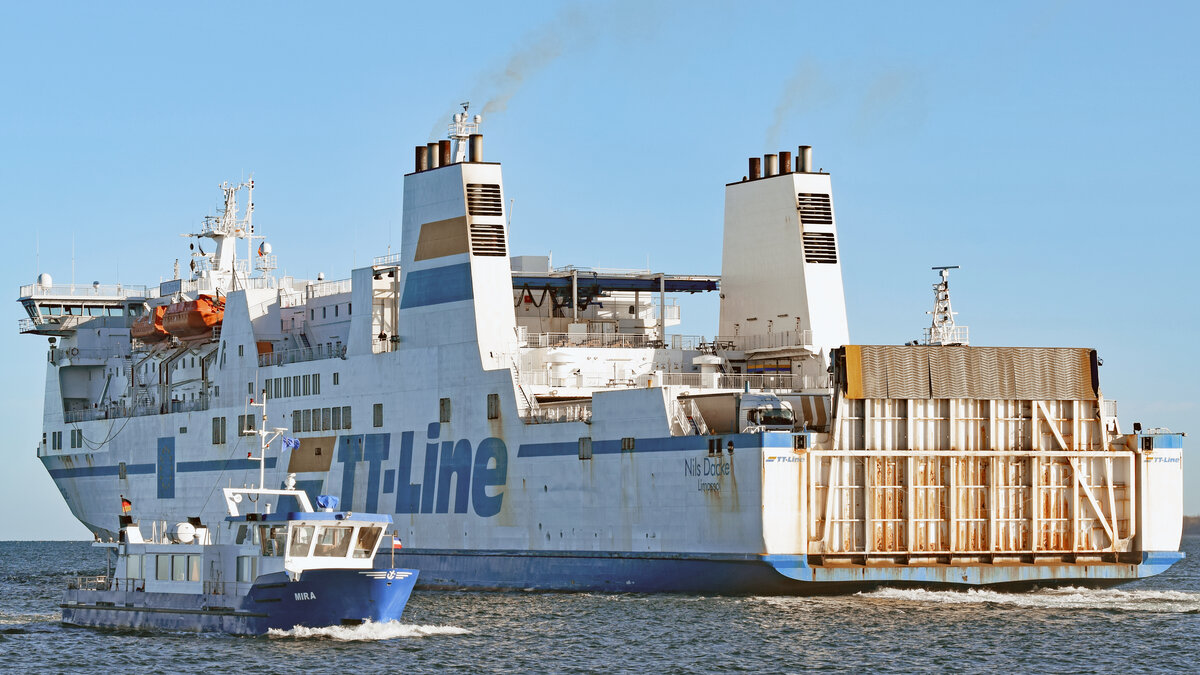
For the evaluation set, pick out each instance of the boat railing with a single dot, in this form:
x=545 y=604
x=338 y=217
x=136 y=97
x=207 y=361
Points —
x=88 y=583
x=302 y=354
x=325 y=288
x=220 y=587
x=127 y=584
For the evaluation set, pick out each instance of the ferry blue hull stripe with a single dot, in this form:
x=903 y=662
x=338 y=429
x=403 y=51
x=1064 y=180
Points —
x=140 y=469
x=735 y=574
x=664 y=444
x=437 y=285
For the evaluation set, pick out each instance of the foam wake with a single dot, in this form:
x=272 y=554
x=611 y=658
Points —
x=1167 y=602
x=368 y=631
x=21 y=619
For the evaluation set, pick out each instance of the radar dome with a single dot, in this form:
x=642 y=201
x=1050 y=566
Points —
x=264 y=249
x=44 y=280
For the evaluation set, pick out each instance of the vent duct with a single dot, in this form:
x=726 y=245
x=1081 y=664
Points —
x=815 y=208
x=819 y=247
x=483 y=199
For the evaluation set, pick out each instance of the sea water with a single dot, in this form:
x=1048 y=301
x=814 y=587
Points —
x=1153 y=624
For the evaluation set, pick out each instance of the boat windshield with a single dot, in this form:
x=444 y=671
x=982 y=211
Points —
x=368 y=537
x=274 y=538
x=333 y=542
x=302 y=537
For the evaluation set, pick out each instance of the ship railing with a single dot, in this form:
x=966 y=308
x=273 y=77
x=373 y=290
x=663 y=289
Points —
x=687 y=420
x=567 y=411
x=542 y=378
x=389 y=259
x=88 y=583
x=325 y=288
x=773 y=340
x=782 y=382
x=957 y=335
x=627 y=340
x=119 y=350
x=302 y=354
x=84 y=290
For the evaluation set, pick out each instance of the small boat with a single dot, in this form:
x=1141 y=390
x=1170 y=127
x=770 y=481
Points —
x=259 y=571
x=149 y=327
x=194 y=318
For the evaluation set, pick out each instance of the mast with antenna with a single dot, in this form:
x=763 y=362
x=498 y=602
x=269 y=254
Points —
x=943 y=330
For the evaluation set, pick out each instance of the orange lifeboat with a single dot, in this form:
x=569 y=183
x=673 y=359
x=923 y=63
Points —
x=193 y=318
x=149 y=327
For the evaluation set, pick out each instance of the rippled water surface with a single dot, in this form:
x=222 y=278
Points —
x=1148 y=625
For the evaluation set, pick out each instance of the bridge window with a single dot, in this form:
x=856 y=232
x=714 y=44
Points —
x=364 y=546
x=274 y=538
x=333 y=542
x=302 y=536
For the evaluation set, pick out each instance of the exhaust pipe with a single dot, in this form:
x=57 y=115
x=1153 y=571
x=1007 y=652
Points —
x=475 y=149
x=422 y=158
x=785 y=161
x=444 y=149
x=432 y=149
x=804 y=159
x=771 y=165
x=755 y=170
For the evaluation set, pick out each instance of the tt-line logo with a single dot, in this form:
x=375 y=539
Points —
x=452 y=471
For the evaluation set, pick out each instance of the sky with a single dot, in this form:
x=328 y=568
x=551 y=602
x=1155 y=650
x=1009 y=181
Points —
x=1048 y=148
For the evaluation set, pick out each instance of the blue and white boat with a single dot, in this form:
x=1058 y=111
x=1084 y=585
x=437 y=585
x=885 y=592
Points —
x=260 y=571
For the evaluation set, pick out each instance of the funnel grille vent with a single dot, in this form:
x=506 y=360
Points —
x=487 y=239
x=819 y=247
x=815 y=208
x=483 y=199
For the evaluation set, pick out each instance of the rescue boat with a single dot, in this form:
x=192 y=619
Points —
x=193 y=318
x=149 y=327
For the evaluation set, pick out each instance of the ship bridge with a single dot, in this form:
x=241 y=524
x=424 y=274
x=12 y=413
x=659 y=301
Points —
x=59 y=309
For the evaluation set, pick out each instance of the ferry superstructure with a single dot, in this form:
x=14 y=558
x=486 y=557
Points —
x=529 y=426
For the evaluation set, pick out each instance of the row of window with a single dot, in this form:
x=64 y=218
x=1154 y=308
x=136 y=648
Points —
x=312 y=313
x=296 y=385
x=56 y=442
x=322 y=419
x=182 y=567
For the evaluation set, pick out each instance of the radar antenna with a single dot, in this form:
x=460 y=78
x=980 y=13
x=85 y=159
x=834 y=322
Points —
x=460 y=130
x=943 y=331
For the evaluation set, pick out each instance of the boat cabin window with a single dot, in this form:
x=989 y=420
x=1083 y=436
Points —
x=247 y=568
x=302 y=537
x=274 y=539
x=364 y=545
x=772 y=416
x=176 y=567
x=133 y=566
x=333 y=542
x=244 y=532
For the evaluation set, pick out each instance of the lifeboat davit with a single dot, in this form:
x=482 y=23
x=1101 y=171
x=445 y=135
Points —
x=193 y=318
x=149 y=327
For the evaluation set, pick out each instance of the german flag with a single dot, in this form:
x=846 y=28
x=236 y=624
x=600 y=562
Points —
x=126 y=505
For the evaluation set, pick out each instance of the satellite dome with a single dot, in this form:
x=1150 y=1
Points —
x=264 y=249
x=44 y=280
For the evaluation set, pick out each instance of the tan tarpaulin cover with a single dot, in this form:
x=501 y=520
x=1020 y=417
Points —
x=1030 y=373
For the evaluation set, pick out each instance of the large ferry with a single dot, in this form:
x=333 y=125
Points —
x=533 y=426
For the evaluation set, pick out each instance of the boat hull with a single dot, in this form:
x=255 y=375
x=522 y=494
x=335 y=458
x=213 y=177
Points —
x=318 y=598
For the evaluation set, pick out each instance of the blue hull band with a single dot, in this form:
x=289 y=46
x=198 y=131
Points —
x=740 y=574
x=319 y=598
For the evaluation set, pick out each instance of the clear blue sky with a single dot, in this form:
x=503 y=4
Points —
x=1047 y=148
